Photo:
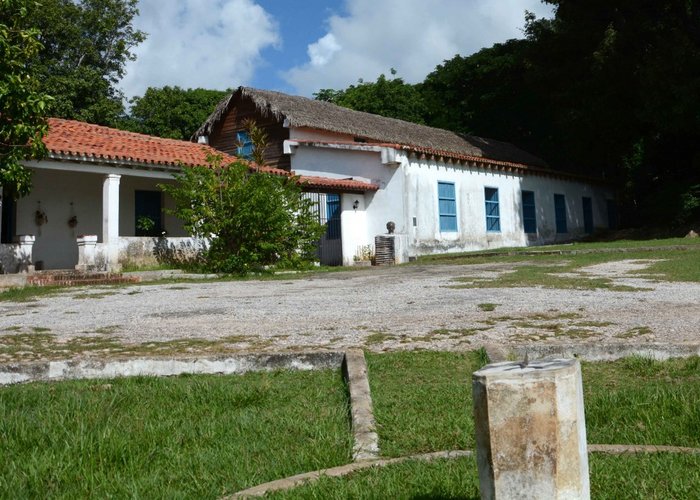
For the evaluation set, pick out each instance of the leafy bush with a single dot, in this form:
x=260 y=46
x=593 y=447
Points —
x=253 y=220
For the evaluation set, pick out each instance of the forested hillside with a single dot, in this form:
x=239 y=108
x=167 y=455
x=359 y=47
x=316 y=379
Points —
x=610 y=89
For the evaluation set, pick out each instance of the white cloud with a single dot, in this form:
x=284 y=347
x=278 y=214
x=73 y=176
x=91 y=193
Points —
x=321 y=52
x=213 y=44
x=412 y=36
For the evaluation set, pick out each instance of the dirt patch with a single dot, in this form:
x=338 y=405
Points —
x=409 y=307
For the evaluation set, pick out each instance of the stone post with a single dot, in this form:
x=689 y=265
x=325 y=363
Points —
x=110 y=220
x=530 y=430
x=23 y=252
x=86 y=252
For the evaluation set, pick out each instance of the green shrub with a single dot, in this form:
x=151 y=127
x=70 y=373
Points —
x=253 y=220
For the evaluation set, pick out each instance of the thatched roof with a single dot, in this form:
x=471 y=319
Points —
x=304 y=112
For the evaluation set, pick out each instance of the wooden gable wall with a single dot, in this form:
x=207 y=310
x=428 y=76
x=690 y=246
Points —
x=223 y=136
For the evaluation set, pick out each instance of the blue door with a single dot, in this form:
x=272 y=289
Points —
x=333 y=216
x=327 y=208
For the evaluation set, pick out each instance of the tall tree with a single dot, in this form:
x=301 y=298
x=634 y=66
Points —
x=22 y=105
x=488 y=94
x=626 y=79
x=610 y=88
x=86 y=46
x=171 y=112
x=390 y=97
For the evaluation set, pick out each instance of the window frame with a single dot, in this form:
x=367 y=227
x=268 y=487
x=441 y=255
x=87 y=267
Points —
x=493 y=221
x=143 y=201
x=445 y=216
x=529 y=220
x=560 y=214
x=244 y=145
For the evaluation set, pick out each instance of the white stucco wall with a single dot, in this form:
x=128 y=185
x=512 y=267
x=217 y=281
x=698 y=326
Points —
x=422 y=177
x=64 y=193
x=358 y=226
x=409 y=190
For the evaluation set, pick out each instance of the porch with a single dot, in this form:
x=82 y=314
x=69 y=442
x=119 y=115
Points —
x=119 y=210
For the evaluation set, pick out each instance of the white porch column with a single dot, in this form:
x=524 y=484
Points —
x=110 y=220
x=24 y=252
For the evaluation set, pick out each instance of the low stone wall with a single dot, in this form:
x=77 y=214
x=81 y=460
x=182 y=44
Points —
x=138 y=251
x=17 y=257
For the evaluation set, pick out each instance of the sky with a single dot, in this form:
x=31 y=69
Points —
x=301 y=46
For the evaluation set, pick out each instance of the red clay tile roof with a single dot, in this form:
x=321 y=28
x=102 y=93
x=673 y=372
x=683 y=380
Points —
x=80 y=141
x=345 y=185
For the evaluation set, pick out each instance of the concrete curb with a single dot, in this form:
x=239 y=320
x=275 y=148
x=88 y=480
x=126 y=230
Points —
x=366 y=441
x=342 y=470
x=591 y=352
x=14 y=373
x=637 y=449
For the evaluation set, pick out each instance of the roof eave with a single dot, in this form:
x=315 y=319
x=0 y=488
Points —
x=120 y=162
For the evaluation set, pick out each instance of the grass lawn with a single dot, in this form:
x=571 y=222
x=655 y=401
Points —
x=563 y=271
x=205 y=436
x=576 y=247
x=182 y=437
x=422 y=401
x=648 y=477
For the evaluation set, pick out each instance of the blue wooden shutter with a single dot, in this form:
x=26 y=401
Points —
x=529 y=212
x=245 y=145
x=447 y=206
x=560 y=213
x=493 y=213
x=333 y=216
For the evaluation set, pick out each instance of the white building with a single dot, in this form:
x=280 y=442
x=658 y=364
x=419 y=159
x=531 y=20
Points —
x=443 y=191
x=89 y=194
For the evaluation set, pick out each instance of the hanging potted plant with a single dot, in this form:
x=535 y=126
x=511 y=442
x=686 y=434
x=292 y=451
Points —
x=40 y=217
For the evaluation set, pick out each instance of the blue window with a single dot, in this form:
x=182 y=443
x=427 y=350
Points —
x=560 y=213
x=587 y=214
x=245 y=145
x=448 y=206
x=493 y=214
x=529 y=213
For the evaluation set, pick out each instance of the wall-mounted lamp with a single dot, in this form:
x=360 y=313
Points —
x=355 y=204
